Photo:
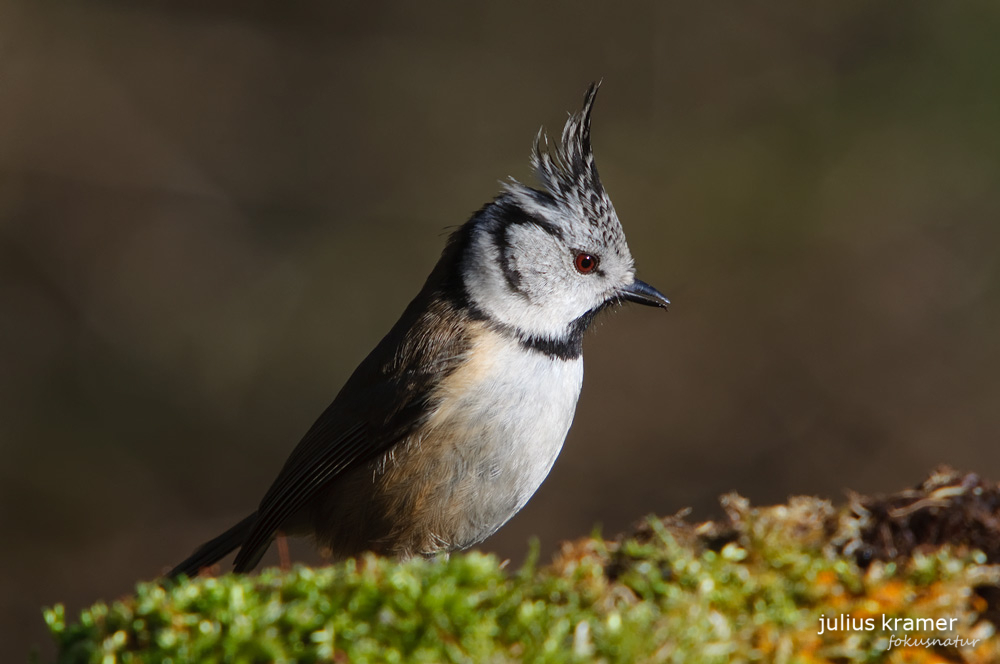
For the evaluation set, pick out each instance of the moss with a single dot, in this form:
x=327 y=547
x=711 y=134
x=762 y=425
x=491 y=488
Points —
x=750 y=589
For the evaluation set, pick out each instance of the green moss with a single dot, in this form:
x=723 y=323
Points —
x=751 y=591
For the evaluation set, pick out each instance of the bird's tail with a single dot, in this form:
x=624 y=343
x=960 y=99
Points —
x=215 y=549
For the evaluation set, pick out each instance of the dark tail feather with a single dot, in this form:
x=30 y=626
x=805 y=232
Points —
x=243 y=566
x=215 y=549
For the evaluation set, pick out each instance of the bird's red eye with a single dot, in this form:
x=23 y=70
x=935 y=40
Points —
x=585 y=263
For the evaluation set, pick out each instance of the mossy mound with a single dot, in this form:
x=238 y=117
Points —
x=750 y=589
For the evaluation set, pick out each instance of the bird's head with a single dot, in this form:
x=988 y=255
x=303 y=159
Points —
x=543 y=261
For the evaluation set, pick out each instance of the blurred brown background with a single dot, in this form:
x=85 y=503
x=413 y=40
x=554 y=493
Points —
x=211 y=211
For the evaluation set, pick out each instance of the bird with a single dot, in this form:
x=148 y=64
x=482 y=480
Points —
x=449 y=426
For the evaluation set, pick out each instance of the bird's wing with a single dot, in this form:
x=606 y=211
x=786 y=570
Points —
x=335 y=443
x=384 y=400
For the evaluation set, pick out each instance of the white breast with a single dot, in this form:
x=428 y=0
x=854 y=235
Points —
x=501 y=422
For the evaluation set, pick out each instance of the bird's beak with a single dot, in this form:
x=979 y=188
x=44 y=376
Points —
x=643 y=293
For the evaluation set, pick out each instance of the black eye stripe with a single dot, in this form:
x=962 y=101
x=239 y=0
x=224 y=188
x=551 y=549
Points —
x=510 y=273
x=508 y=216
x=512 y=214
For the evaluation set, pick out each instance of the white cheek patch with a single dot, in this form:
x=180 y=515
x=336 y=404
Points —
x=533 y=289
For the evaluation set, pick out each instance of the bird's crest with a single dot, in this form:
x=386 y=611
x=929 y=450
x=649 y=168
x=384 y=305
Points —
x=567 y=171
x=569 y=167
